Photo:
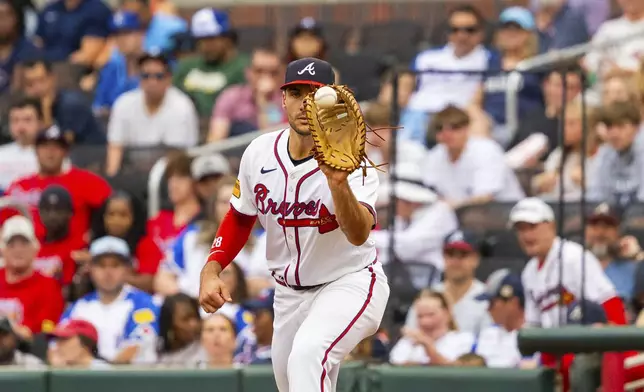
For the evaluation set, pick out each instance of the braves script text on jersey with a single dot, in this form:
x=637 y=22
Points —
x=314 y=328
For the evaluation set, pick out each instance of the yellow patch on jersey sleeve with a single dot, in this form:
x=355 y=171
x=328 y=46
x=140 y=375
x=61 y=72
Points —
x=144 y=316
x=237 y=189
x=247 y=317
x=47 y=326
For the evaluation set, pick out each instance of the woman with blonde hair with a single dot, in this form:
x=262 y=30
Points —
x=515 y=40
x=437 y=340
x=546 y=185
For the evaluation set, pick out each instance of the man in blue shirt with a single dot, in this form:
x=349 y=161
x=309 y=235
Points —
x=126 y=318
x=69 y=109
x=161 y=26
x=74 y=30
x=14 y=48
x=120 y=74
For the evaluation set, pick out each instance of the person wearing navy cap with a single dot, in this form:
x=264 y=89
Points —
x=320 y=254
x=120 y=73
x=498 y=343
x=255 y=347
x=306 y=39
x=217 y=65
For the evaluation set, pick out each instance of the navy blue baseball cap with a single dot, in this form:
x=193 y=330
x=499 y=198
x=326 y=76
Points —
x=52 y=134
x=209 y=23
x=461 y=240
x=310 y=71
x=502 y=284
x=263 y=302
x=56 y=197
x=308 y=25
x=123 y=21
x=585 y=313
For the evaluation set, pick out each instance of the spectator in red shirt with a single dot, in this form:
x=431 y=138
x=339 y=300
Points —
x=186 y=208
x=57 y=246
x=34 y=302
x=88 y=190
x=122 y=216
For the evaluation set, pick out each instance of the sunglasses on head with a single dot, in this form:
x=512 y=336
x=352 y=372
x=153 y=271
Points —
x=156 y=75
x=451 y=126
x=463 y=29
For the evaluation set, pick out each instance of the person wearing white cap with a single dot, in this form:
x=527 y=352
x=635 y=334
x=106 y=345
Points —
x=534 y=223
x=207 y=171
x=422 y=220
x=126 y=318
x=32 y=301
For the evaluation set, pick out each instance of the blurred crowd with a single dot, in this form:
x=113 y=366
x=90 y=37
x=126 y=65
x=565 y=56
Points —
x=89 y=279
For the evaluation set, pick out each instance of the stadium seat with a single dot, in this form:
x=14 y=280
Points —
x=253 y=37
x=633 y=218
x=400 y=39
x=573 y=213
x=483 y=218
x=336 y=35
x=360 y=71
x=503 y=243
x=491 y=264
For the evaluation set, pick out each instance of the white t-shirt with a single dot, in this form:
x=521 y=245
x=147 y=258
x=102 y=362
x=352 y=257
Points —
x=304 y=243
x=422 y=240
x=541 y=284
x=16 y=161
x=175 y=124
x=627 y=55
x=469 y=314
x=438 y=89
x=452 y=345
x=499 y=347
x=407 y=151
x=480 y=170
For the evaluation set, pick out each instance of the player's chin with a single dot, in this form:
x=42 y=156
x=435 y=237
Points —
x=302 y=130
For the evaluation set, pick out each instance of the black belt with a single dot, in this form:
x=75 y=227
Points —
x=299 y=288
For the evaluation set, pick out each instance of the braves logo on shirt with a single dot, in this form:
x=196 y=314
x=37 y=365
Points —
x=317 y=213
x=550 y=298
x=13 y=309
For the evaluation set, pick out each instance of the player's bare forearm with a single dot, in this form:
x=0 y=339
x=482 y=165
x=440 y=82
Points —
x=354 y=219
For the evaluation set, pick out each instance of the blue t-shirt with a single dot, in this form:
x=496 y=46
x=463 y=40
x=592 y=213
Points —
x=62 y=30
x=22 y=50
x=162 y=28
x=495 y=86
x=113 y=80
x=73 y=114
x=622 y=274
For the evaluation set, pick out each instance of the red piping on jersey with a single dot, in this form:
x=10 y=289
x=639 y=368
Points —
x=373 y=212
x=297 y=230
x=346 y=330
x=279 y=162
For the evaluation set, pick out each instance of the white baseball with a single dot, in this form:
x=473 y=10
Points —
x=325 y=97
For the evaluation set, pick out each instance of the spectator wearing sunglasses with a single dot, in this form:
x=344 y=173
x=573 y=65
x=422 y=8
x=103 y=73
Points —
x=466 y=169
x=254 y=105
x=155 y=114
x=449 y=75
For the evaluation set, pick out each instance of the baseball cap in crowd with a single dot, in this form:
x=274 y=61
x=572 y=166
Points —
x=155 y=55
x=71 y=328
x=585 y=313
x=263 y=302
x=52 y=134
x=461 y=240
x=309 y=25
x=18 y=226
x=605 y=213
x=209 y=23
x=502 y=284
x=56 y=197
x=112 y=246
x=209 y=165
x=519 y=16
x=309 y=70
x=124 y=21
x=531 y=210
x=409 y=186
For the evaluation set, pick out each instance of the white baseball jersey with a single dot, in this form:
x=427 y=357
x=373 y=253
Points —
x=480 y=170
x=541 y=283
x=304 y=243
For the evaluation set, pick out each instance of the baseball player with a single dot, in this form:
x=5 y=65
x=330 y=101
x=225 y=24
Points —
x=330 y=292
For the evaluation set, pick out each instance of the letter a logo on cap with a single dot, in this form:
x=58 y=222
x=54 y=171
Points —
x=309 y=68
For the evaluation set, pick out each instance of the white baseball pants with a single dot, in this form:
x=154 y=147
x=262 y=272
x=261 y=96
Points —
x=315 y=330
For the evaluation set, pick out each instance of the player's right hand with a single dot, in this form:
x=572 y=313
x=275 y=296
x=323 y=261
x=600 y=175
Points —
x=213 y=293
